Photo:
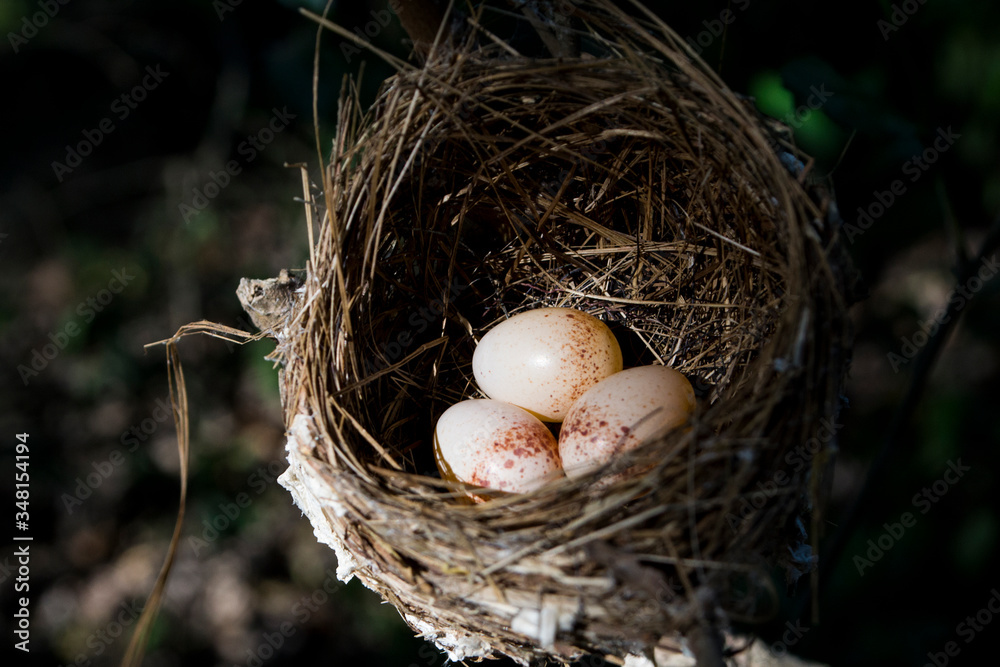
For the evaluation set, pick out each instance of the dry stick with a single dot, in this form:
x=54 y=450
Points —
x=179 y=404
x=327 y=195
x=922 y=367
x=307 y=201
x=136 y=649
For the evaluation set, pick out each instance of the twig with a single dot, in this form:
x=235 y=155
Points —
x=179 y=404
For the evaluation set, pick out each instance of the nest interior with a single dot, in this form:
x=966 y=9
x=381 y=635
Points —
x=629 y=183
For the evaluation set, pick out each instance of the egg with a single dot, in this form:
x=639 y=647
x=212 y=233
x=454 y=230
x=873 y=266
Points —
x=542 y=360
x=620 y=412
x=495 y=445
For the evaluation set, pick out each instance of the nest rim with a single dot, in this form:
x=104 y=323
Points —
x=327 y=442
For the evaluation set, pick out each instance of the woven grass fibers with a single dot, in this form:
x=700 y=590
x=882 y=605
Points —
x=635 y=186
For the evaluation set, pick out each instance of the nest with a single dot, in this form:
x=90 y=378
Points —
x=629 y=183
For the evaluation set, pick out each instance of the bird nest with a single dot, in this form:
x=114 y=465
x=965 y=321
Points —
x=633 y=185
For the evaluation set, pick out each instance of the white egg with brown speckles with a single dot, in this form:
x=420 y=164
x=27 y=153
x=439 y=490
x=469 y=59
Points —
x=542 y=360
x=495 y=445
x=620 y=413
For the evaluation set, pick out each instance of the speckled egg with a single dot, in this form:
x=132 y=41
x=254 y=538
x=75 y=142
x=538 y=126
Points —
x=620 y=412
x=542 y=360
x=495 y=445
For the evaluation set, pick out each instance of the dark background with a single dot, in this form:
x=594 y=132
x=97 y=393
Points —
x=103 y=500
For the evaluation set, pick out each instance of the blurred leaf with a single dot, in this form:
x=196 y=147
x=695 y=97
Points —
x=820 y=137
x=770 y=94
x=813 y=130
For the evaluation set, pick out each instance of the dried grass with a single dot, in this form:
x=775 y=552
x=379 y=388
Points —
x=632 y=185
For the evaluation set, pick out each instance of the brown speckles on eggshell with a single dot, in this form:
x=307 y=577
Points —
x=621 y=412
x=545 y=359
x=497 y=445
